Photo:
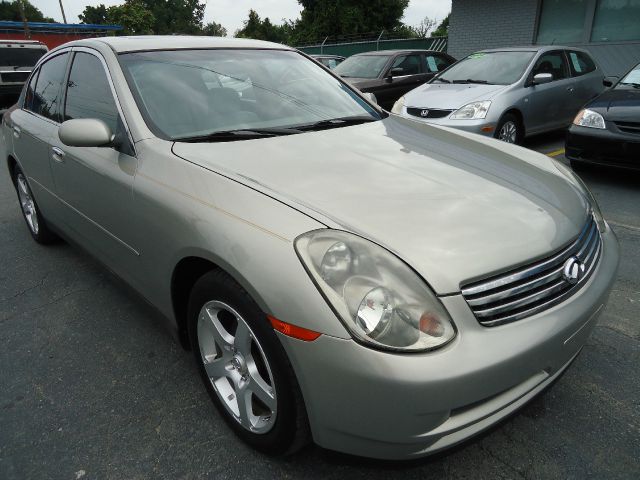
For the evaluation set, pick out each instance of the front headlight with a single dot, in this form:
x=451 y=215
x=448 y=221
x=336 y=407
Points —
x=589 y=118
x=472 y=111
x=380 y=300
x=576 y=180
x=398 y=106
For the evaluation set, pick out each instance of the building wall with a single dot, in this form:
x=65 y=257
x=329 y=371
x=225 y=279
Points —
x=478 y=24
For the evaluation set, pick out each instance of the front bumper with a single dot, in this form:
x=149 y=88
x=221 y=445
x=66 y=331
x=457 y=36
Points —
x=609 y=147
x=484 y=127
x=400 y=406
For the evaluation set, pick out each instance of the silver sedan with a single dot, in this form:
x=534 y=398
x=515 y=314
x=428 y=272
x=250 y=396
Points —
x=381 y=286
x=508 y=93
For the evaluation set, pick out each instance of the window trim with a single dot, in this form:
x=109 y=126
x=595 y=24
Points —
x=114 y=94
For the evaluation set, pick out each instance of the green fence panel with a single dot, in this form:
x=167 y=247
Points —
x=351 y=48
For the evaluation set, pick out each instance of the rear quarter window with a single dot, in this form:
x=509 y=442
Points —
x=580 y=63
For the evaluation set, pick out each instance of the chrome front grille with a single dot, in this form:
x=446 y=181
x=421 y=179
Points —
x=536 y=287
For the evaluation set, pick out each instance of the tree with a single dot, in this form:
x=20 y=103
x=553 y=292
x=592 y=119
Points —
x=176 y=16
x=426 y=25
x=259 y=29
x=134 y=17
x=11 y=11
x=214 y=29
x=94 y=15
x=443 y=28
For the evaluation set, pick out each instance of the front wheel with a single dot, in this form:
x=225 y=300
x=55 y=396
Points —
x=509 y=129
x=244 y=366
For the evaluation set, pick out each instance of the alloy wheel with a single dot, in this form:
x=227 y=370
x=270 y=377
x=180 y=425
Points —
x=508 y=132
x=237 y=367
x=27 y=203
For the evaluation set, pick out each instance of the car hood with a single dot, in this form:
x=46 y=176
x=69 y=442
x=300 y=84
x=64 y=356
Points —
x=450 y=96
x=454 y=206
x=619 y=104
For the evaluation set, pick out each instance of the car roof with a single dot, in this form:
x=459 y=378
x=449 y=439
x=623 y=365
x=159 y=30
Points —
x=394 y=52
x=175 y=42
x=531 y=48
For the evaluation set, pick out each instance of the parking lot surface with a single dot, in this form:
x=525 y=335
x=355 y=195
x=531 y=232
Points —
x=91 y=386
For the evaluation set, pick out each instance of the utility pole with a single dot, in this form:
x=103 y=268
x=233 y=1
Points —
x=64 y=17
x=27 y=32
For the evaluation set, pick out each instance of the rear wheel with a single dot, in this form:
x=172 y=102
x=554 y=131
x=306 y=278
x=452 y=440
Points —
x=244 y=366
x=30 y=211
x=509 y=129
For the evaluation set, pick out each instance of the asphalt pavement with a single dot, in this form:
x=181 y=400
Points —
x=91 y=386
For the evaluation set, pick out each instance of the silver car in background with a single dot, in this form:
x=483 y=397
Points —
x=508 y=93
x=384 y=287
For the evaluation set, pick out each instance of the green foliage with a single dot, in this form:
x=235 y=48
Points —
x=11 y=11
x=94 y=15
x=134 y=17
x=259 y=29
x=214 y=29
x=176 y=16
x=443 y=28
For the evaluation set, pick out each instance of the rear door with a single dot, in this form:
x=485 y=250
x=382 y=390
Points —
x=588 y=82
x=34 y=125
x=95 y=183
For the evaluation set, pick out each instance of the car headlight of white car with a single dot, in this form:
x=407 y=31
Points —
x=589 y=118
x=381 y=301
x=398 y=106
x=472 y=111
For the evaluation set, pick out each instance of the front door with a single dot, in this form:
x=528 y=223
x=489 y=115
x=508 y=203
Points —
x=410 y=76
x=96 y=183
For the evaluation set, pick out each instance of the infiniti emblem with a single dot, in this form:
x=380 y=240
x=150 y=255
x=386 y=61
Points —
x=424 y=113
x=573 y=270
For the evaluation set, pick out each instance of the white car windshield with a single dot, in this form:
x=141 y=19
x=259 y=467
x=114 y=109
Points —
x=237 y=94
x=495 y=68
x=362 y=66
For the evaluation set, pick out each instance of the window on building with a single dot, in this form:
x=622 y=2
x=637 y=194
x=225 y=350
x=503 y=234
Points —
x=88 y=92
x=616 y=20
x=46 y=98
x=562 y=21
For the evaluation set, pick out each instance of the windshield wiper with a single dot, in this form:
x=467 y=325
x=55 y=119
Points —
x=471 y=80
x=337 y=122
x=443 y=80
x=633 y=84
x=241 y=134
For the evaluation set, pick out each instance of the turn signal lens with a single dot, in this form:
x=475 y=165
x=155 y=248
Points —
x=293 y=331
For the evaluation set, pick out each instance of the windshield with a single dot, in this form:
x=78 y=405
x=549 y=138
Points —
x=20 y=56
x=497 y=68
x=631 y=79
x=362 y=66
x=191 y=93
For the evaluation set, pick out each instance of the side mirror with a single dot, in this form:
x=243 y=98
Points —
x=609 y=81
x=85 y=132
x=370 y=96
x=542 y=78
x=394 y=72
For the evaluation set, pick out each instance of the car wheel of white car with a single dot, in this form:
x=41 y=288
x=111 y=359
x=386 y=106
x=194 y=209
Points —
x=35 y=222
x=509 y=129
x=244 y=366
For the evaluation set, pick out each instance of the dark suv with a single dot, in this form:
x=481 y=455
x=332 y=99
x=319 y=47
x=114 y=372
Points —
x=389 y=74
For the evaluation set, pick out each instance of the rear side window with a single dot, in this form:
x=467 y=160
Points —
x=553 y=63
x=436 y=63
x=89 y=93
x=410 y=64
x=580 y=63
x=48 y=89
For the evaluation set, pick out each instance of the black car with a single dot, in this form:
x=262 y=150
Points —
x=389 y=74
x=329 y=61
x=607 y=130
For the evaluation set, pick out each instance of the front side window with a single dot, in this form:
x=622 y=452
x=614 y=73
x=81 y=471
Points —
x=194 y=93
x=553 y=63
x=89 y=93
x=362 y=66
x=580 y=63
x=410 y=64
x=48 y=89
x=562 y=21
x=499 y=68
x=616 y=20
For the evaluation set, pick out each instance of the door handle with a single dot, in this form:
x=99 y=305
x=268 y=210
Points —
x=16 y=131
x=570 y=89
x=57 y=154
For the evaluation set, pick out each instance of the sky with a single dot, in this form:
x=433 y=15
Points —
x=231 y=13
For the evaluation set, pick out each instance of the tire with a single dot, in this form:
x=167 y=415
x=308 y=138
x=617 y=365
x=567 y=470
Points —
x=510 y=129
x=221 y=315
x=36 y=223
